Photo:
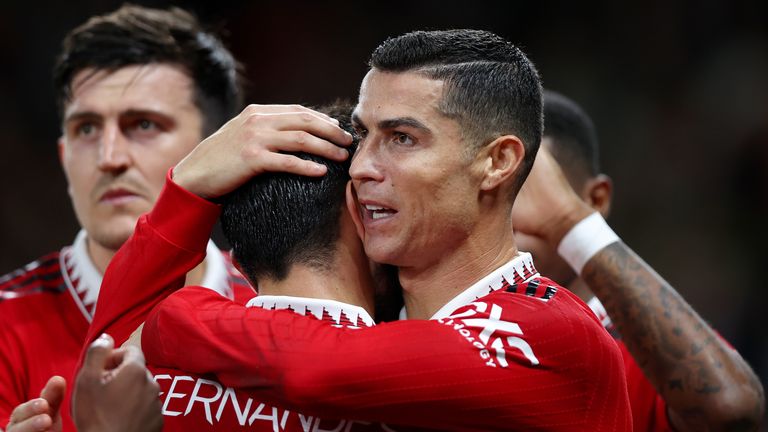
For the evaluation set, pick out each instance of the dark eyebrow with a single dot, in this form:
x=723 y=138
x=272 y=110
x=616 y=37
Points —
x=403 y=121
x=393 y=123
x=90 y=115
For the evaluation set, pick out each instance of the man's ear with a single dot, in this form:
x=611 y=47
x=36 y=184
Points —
x=503 y=157
x=598 y=193
x=354 y=211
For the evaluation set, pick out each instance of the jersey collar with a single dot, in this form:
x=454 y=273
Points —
x=83 y=279
x=519 y=270
x=337 y=313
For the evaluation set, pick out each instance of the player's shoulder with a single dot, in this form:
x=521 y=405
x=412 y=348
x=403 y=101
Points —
x=38 y=277
x=543 y=304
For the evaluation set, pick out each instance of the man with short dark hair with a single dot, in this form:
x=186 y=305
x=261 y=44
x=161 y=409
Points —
x=662 y=337
x=449 y=122
x=137 y=89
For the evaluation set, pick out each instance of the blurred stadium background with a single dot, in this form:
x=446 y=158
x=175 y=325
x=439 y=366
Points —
x=678 y=91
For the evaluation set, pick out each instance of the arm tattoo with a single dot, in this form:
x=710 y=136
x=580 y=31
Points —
x=692 y=368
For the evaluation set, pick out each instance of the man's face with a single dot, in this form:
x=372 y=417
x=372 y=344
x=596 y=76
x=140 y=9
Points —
x=122 y=131
x=416 y=186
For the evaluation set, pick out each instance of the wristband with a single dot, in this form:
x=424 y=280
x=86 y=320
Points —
x=584 y=240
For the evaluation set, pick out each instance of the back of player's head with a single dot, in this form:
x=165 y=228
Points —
x=490 y=87
x=277 y=220
x=573 y=136
x=135 y=35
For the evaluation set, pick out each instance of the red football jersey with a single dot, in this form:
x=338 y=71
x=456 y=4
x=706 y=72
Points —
x=45 y=311
x=193 y=402
x=649 y=410
x=513 y=352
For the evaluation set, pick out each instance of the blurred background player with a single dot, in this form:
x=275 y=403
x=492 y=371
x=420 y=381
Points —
x=137 y=90
x=702 y=383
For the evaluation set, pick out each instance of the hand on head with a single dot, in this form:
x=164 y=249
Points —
x=254 y=142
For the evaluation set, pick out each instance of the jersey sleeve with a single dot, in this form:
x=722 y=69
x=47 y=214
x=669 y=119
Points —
x=477 y=369
x=167 y=243
x=11 y=371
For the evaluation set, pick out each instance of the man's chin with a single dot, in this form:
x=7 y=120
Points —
x=382 y=253
x=112 y=235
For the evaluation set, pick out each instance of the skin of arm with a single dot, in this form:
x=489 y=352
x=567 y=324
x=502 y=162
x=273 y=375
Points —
x=706 y=384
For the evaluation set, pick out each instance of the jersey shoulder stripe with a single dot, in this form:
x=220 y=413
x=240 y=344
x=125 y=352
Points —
x=42 y=275
x=537 y=288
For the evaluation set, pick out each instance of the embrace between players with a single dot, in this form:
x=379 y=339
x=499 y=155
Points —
x=421 y=176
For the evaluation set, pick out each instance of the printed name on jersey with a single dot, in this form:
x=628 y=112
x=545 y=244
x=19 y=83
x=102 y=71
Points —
x=481 y=325
x=218 y=401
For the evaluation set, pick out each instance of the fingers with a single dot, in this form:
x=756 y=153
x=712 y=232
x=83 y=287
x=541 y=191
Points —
x=283 y=109
x=53 y=392
x=278 y=162
x=255 y=142
x=33 y=415
x=98 y=354
x=303 y=121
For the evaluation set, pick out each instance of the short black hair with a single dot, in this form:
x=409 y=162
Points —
x=573 y=135
x=276 y=220
x=491 y=87
x=136 y=35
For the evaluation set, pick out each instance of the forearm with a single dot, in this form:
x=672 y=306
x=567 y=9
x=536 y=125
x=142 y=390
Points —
x=167 y=243
x=706 y=384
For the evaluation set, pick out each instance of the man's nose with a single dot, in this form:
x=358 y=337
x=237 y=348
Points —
x=365 y=164
x=113 y=149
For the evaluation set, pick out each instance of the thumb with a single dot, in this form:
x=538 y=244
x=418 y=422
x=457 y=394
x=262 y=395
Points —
x=53 y=392
x=98 y=354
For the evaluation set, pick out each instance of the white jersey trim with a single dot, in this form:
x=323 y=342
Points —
x=317 y=307
x=516 y=269
x=83 y=278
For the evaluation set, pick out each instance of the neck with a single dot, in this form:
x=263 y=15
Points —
x=427 y=289
x=348 y=280
x=101 y=256
x=310 y=282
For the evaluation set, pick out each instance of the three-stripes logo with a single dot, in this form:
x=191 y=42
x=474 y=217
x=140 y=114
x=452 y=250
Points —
x=481 y=326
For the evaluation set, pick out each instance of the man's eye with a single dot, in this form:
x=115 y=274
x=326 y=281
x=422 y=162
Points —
x=402 y=139
x=85 y=129
x=145 y=124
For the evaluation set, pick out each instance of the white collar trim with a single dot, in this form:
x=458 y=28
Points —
x=519 y=269
x=83 y=279
x=81 y=276
x=316 y=307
